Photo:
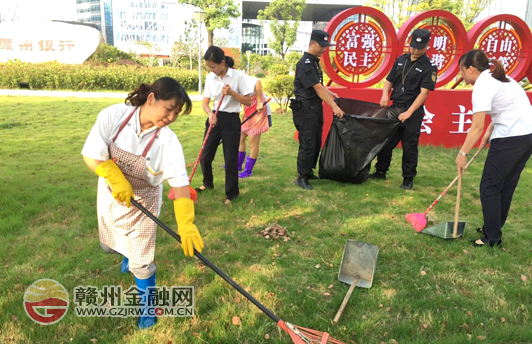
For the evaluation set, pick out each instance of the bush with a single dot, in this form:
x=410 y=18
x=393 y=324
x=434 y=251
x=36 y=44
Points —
x=278 y=69
x=281 y=88
x=88 y=77
x=110 y=54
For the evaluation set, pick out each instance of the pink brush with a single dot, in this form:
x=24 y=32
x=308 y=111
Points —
x=419 y=220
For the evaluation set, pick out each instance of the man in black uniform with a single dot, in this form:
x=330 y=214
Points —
x=411 y=78
x=307 y=107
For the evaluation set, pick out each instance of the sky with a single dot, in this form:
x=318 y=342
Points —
x=42 y=9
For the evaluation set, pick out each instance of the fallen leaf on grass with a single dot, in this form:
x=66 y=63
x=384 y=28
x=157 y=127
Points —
x=466 y=252
x=326 y=294
x=317 y=266
x=503 y=320
x=481 y=337
x=94 y=340
x=523 y=278
x=330 y=286
x=423 y=273
x=266 y=336
x=425 y=326
x=470 y=314
x=236 y=321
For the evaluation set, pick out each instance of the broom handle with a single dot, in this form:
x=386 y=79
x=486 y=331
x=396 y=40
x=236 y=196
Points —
x=205 y=141
x=253 y=114
x=346 y=299
x=457 y=210
x=452 y=183
x=208 y=263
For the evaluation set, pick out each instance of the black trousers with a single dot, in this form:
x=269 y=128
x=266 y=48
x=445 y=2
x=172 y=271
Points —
x=408 y=134
x=227 y=130
x=308 y=120
x=506 y=160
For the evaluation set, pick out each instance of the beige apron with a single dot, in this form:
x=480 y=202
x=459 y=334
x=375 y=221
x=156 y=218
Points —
x=127 y=230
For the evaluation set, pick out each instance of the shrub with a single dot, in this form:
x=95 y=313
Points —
x=88 y=77
x=278 y=69
x=109 y=54
x=281 y=89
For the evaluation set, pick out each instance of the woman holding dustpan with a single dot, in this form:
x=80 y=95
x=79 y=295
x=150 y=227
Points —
x=509 y=134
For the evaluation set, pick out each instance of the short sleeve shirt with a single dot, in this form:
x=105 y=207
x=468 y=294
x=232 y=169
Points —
x=165 y=159
x=506 y=103
x=233 y=78
x=409 y=77
x=308 y=74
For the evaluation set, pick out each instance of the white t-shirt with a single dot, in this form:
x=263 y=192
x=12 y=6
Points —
x=165 y=159
x=506 y=103
x=233 y=78
x=252 y=81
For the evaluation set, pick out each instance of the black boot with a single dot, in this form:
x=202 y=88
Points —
x=303 y=183
x=408 y=183
x=378 y=175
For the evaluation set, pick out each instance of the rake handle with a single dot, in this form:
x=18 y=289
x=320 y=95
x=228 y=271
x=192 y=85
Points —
x=208 y=263
x=255 y=112
x=205 y=141
x=452 y=183
x=457 y=209
x=346 y=299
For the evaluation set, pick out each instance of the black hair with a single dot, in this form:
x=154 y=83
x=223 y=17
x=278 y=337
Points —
x=479 y=60
x=217 y=55
x=164 y=88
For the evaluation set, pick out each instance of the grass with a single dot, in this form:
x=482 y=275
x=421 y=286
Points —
x=425 y=290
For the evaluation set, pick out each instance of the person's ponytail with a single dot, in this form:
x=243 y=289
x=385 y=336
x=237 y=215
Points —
x=498 y=71
x=139 y=96
x=229 y=62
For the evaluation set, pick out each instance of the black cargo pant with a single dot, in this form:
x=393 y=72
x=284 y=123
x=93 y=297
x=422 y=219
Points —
x=308 y=120
x=408 y=134
x=227 y=129
x=506 y=160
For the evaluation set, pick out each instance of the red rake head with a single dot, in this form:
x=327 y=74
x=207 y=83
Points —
x=301 y=335
x=418 y=220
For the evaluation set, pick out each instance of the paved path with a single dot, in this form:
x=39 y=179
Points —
x=75 y=94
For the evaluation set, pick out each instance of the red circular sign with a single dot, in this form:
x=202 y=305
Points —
x=365 y=48
x=506 y=38
x=448 y=41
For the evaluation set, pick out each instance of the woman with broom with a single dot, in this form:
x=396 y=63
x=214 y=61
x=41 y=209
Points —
x=132 y=150
x=509 y=135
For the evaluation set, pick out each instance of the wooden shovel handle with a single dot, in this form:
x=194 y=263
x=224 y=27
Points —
x=346 y=299
x=457 y=209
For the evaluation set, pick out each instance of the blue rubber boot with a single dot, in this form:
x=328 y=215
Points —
x=146 y=321
x=125 y=266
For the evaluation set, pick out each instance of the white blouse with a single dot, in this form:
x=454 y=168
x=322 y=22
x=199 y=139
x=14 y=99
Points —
x=233 y=78
x=165 y=159
x=506 y=103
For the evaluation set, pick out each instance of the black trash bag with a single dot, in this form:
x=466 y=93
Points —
x=356 y=139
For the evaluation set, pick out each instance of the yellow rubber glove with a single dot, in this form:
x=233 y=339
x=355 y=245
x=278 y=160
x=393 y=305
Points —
x=122 y=189
x=187 y=230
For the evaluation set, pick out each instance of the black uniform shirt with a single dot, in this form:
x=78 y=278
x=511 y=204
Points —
x=308 y=74
x=417 y=74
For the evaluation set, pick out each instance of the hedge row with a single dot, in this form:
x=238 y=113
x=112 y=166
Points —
x=86 y=77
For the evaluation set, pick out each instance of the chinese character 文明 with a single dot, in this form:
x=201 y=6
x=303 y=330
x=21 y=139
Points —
x=440 y=43
x=462 y=120
x=368 y=41
x=506 y=45
x=25 y=45
x=6 y=44
x=438 y=60
x=63 y=44
x=46 y=45
x=350 y=59
x=427 y=119
x=87 y=296
x=492 y=45
x=352 y=41
x=111 y=296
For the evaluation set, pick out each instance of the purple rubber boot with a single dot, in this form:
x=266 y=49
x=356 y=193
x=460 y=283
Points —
x=241 y=156
x=250 y=163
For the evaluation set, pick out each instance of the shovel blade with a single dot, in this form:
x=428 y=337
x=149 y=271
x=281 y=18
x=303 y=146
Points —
x=445 y=230
x=359 y=259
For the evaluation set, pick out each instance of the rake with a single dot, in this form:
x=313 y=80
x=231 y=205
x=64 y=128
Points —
x=299 y=335
x=419 y=220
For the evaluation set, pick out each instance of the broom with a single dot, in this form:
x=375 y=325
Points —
x=299 y=335
x=419 y=220
x=255 y=123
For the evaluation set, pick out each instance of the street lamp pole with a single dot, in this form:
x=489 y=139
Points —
x=199 y=17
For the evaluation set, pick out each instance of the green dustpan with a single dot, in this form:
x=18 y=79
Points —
x=445 y=230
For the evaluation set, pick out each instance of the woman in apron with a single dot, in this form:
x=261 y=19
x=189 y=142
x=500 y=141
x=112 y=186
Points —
x=132 y=150
x=509 y=134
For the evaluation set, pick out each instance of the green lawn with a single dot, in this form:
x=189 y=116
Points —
x=425 y=290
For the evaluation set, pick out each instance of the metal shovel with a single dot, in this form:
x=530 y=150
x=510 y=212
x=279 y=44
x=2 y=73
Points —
x=449 y=230
x=357 y=269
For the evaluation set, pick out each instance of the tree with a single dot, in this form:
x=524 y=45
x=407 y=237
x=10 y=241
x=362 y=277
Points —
x=285 y=33
x=218 y=14
x=8 y=13
x=190 y=39
x=179 y=51
x=400 y=10
x=151 y=50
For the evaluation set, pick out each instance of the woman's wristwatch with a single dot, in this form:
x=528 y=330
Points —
x=462 y=153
